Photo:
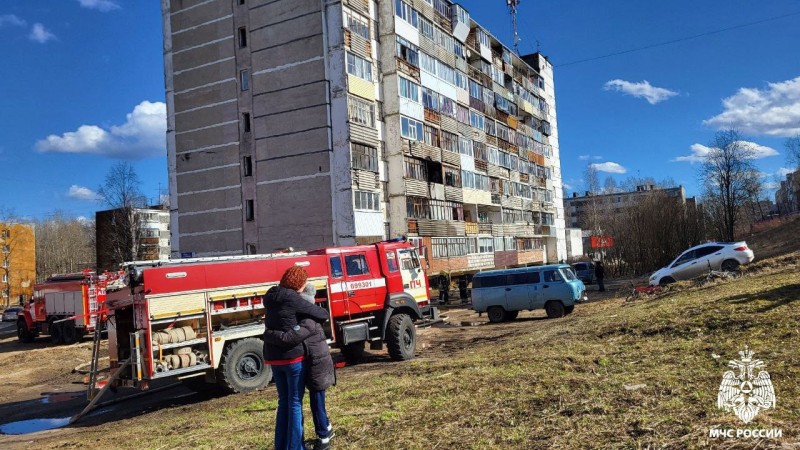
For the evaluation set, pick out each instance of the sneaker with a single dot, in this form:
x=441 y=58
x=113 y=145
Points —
x=322 y=444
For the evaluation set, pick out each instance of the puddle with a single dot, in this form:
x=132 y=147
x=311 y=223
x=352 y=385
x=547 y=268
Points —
x=33 y=425
x=60 y=397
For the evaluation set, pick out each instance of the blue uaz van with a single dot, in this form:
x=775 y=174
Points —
x=504 y=293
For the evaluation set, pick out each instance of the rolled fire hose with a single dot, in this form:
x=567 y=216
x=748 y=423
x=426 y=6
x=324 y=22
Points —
x=182 y=351
x=185 y=360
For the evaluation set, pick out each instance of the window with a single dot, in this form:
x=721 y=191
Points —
x=475 y=90
x=452 y=177
x=430 y=99
x=485 y=245
x=364 y=157
x=416 y=169
x=417 y=207
x=410 y=128
x=362 y=112
x=246 y=122
x=447 y=106
x=552 y=276
x=492 y=154
x=465 y=146
x=244 y=80
x=479 y=150
x=391 y=261
x=356 y=265
x=426 y=27
x=524 y=278
x=6 y=248
x=367 y=201
x=705 y=251
x=5 y=278
x=439 y=247
x=461 y=80
x=241 y=2
x=442 y=7
x=450 y=141
x=462 y=114
x=356 y=24
x=476 y=119
x=407 y=51
x=409 y=89
x=427 y=63
x=336 y=267
x=431 y=136
x=404 y=11
x=247 y=166
x=359 y=67
x=249 y=210
x=242 y=37
x=251 y=249
x=483 y=38
x=489 y=127
x=456 y=247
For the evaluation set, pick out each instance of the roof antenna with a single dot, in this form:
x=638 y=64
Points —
x=512 y=8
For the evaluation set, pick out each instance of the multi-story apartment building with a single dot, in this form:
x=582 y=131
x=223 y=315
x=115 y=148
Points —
x=308 y=123
x=142 y=235
x=787 y=196
x=17 y=262
x=602 y=205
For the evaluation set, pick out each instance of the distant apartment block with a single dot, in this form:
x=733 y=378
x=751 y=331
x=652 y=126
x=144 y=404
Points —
x=787 y=197
x=149 y=237
x=577 y=207
x=17 y=262
x=305 y=123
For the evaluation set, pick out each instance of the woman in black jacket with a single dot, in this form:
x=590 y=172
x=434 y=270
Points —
x=284 y=308
x=319 y=371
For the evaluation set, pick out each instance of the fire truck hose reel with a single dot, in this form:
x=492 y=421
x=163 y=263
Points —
x=183 y=351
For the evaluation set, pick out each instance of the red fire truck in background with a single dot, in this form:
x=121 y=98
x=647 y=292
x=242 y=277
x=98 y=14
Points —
x=205 y=316
x=78 y=296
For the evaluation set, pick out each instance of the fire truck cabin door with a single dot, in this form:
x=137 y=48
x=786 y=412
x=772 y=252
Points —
x=414 y=282
x=361 y=285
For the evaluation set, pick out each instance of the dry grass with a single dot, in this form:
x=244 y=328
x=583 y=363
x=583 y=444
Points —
x=535 y=383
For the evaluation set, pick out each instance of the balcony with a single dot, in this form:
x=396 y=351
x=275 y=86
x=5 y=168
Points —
x=485 y=228
x=471 y=228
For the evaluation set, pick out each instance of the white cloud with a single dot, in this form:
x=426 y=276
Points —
x=40 y=34
x=609 y=167
x=566 y=186
x=83 y=193
x=142 y=135
x=773 y=111
x=771 y=185
x=642 y=89
x=11 y=19
x=100 y=5
x=700 y=152
x=783 y=171
x=588 y=157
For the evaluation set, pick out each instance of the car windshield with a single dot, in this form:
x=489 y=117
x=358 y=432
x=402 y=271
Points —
x=567 y=274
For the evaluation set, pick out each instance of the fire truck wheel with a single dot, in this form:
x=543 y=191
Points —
x=401 y=337
x=23 y=333
x=242 y=368
x=69 y=334
x=56 y=333
x=353 y=352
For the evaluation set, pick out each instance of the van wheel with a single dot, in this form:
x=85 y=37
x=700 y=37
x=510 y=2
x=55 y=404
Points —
x=511 y=315
x=569 y=309
x=496 y=314
x=353 y=352
x=242 y=368
x=401 y=337
x=23 y=333
x=555 y=309
x=730 y=265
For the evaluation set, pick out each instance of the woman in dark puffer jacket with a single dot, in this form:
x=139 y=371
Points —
x=284 y=308
x=319 y=371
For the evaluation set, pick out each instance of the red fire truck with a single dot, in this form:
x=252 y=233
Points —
x=205 y=317
x=64 y=306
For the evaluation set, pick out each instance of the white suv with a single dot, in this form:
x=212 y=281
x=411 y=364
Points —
x=698 y=260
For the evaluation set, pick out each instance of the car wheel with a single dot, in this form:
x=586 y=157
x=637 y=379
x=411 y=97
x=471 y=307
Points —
x=569 y=309
x=665 y=281
x=730 y=265
x=496 y=314
x=554 y=309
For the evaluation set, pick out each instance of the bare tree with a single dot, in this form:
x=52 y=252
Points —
x=121 y=193
x=792 y=145
x=610 y=185
x=729 y=181
x=63 y=245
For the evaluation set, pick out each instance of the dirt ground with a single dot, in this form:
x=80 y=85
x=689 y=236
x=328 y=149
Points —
x=39 y=380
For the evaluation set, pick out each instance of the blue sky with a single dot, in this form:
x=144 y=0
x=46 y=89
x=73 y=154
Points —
x=82 y=80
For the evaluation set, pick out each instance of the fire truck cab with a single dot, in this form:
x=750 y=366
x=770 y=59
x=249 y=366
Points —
x=205 y=316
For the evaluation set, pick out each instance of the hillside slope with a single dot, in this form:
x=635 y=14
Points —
x=612 y=375
x=780 y=237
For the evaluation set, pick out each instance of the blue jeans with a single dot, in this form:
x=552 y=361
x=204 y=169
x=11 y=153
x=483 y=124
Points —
x=318 y=412
x=289 y=380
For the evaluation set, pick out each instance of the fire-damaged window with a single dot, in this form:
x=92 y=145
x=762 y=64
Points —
x=407 y=51
x=364 y=157
x=452 y=177
x=356 y=265
x=362 y=112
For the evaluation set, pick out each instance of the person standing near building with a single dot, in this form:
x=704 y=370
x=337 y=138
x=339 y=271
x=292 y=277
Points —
x=462 y=288
x=444 y=287
x=319 y=370
x=599 y=274
x=284 y=308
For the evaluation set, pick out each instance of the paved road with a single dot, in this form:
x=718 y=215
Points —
x=7 y=328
